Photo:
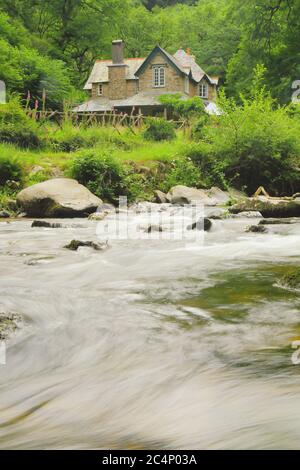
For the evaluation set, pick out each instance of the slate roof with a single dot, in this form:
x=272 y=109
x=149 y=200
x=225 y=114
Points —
x=184 y=62
x=189 y=64
x=100 y=71
x=140 y=99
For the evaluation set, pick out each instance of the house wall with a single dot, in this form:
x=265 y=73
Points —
x=117 y=82
x=212 y=94
x=174 y=80
x=105 y=90
x=130 y=89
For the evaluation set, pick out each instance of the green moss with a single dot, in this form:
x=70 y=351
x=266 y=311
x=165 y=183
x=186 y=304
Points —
x=292 y=278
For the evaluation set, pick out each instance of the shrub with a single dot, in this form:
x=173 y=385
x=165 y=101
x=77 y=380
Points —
x=198 y=126
x=159 y=129
x=16 y=128
x=211 y=168
x=71 y=143
x=100 y=173
x=183 y=109
x=255 y=144
x=182 y=172
x=70 y=139
x=10 y=170
x=23 y=136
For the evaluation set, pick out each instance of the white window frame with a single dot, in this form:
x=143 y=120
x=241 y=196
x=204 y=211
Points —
x=100 y=89
x=203 y=90
x=159 y=77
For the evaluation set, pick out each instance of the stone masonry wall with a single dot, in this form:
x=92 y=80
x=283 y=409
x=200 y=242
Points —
x=174 y=80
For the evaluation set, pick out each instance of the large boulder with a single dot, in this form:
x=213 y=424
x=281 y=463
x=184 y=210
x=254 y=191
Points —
x=185 y=195
x=268 y=207
x=59 y=197
x=220 y=196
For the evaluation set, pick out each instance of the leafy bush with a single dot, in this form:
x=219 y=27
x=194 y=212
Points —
x=70 y=139
x=198 y=126
x=100 y=173
x=255 y=144
x=16 y=128
x=182 y=172
x=159 y=129
x=211 y=168
x=183 y=109
x=71 y=143
x=10 y=170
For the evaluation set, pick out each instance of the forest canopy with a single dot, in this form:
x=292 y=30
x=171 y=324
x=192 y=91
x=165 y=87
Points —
x=51 y=44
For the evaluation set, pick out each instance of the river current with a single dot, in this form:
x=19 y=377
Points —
x=149 y=343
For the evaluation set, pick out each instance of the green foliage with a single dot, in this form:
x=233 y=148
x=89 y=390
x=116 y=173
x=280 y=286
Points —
x=211 y=168
x=257 y=143
x=183 y=109
x=182 y=172
x=16 y=128
x=198 y=126
x=10 y=170
x=159 y=129
x=102 y=174
x=69 y=138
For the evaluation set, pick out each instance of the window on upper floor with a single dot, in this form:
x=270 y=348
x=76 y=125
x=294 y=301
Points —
x=100 y=89
x=159 y=77
x=203 y=90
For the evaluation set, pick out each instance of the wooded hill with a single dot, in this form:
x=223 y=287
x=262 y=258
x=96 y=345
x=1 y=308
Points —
x=51 y=44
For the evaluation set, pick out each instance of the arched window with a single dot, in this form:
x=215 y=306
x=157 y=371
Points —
x=159 y=77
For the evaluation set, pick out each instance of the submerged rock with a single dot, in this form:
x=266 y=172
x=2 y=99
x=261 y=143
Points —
x=153 y=228
x=292 y=278
x=256 y=229
x=43 y=223
x=4 y=214
x=9 y=322
x=75 y=244
x=59 y=197
x=268 y=207
x=202 y=224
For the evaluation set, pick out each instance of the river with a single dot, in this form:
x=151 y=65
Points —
x=149 y=344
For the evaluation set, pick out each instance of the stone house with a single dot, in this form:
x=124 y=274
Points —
x=135 y=84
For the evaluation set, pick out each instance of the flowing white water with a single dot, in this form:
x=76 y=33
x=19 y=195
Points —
x=149 y=344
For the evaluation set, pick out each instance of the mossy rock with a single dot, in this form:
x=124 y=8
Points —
x=292 y=278
x=9 y=322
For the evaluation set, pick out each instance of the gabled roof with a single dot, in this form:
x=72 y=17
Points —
x=171 y=59
x=100 y=71
x=189 y=64
x=183 y=62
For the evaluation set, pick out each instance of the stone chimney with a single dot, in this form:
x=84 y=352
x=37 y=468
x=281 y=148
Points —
x=118 y=52
x=117 y=72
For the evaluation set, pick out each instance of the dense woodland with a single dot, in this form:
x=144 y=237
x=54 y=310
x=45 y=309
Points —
x=51 y=44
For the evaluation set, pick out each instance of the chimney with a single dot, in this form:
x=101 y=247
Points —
x=118 y=52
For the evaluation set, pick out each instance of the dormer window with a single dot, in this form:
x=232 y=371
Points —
x=100 y=89
x=159 y=77
x=203 y=90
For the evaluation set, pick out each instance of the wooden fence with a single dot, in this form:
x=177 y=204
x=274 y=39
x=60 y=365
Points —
x=94 y=118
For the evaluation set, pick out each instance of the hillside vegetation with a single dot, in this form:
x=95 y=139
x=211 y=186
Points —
x=51 y=44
